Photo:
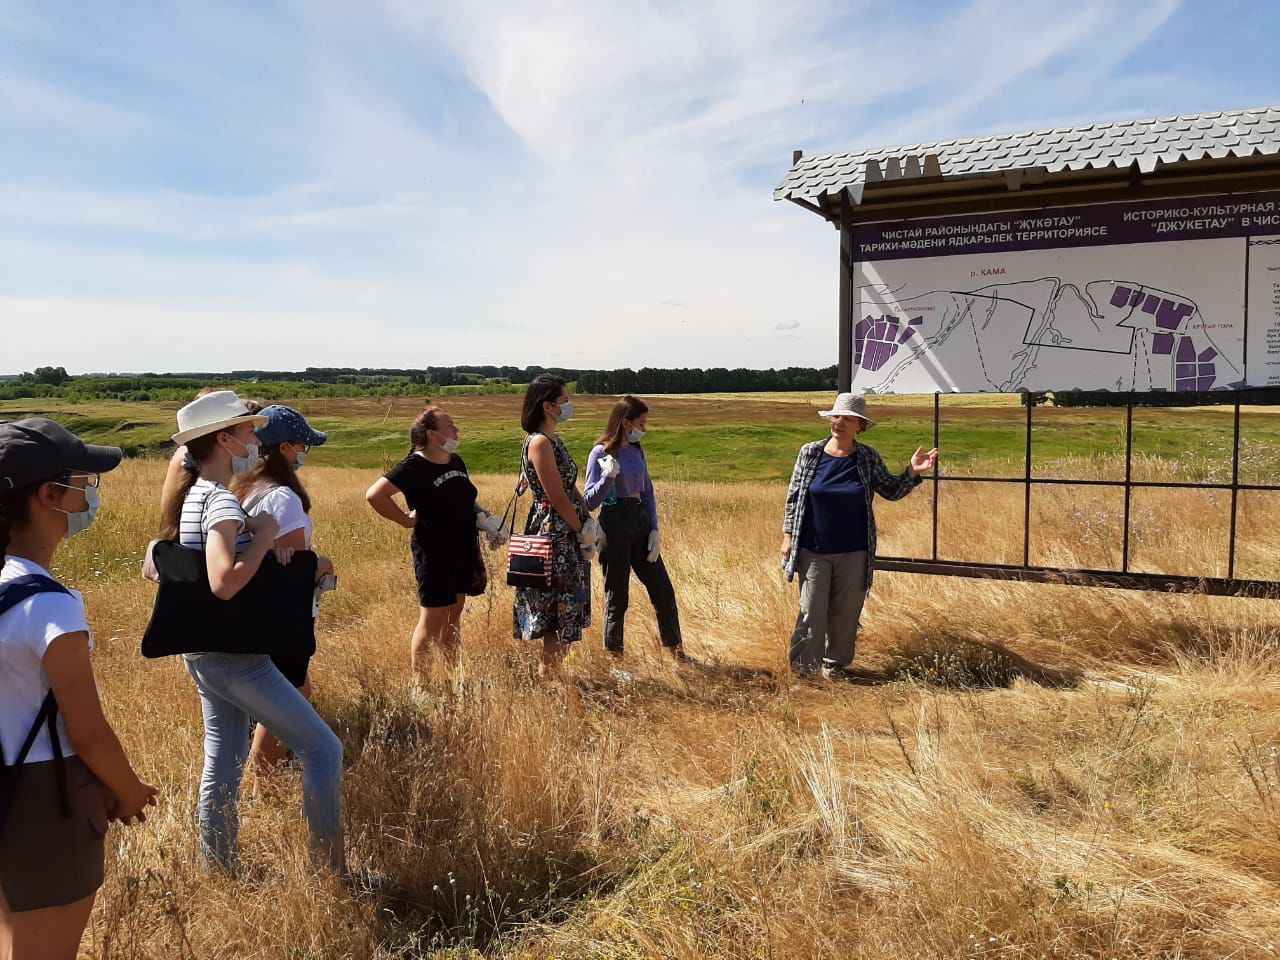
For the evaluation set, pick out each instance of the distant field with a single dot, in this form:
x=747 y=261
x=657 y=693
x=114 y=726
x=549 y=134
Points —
x=737 y=437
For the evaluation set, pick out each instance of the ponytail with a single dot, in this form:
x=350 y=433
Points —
x=171 y=509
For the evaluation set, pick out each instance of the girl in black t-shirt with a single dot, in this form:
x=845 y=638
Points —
x=446 y=522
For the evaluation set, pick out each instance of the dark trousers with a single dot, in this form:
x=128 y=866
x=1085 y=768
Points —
x=626 y=531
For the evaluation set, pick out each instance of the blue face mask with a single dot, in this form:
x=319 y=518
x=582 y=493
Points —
x=300 y=462
x=566 y=411
x=636 y=435
x=82 y=520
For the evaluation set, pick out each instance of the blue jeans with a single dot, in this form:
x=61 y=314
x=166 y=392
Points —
x=233 y=687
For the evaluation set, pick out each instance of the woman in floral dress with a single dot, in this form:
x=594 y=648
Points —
x=558 y=614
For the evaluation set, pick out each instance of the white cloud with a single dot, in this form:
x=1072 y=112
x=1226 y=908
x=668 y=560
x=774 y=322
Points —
x=507 y=182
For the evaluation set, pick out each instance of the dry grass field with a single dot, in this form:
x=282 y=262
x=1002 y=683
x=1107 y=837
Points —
x=1044 y=772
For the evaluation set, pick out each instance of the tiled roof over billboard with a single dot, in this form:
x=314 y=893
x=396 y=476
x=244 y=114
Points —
x=1148 y=143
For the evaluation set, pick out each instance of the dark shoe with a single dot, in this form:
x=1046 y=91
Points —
x=682 y=658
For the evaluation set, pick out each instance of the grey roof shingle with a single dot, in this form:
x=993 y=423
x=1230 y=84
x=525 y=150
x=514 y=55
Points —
x=1231 y=133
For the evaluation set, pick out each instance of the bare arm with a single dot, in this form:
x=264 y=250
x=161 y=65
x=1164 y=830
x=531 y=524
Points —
x=543 y=458
x=381 y=496
x=293 y=540
x=70 y=671
x=227 y=573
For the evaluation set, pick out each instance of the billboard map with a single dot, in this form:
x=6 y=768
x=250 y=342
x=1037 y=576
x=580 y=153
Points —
x=1179 y=294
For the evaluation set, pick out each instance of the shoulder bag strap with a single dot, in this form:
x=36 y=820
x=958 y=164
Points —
x=258 y=497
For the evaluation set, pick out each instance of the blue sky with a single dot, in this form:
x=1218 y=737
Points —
x=208 y=186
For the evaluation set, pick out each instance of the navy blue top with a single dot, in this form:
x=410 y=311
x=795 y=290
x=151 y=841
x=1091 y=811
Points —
x=835 y=519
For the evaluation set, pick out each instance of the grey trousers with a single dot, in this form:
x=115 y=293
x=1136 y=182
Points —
x=833 y=587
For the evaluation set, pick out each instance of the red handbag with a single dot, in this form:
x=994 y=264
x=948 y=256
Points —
x=528 y=555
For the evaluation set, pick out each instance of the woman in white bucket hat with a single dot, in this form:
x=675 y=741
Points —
x=218 y=431
x=829 y=533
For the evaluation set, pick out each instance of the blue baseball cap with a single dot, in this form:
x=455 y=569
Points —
x=287 y=425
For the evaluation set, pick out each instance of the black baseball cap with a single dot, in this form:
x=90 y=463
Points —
x=37 y=449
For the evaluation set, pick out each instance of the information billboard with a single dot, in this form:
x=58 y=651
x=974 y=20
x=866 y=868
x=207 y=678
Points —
x=1177 y=294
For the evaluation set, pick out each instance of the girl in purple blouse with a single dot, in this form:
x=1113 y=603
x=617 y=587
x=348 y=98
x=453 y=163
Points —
x=618 y=478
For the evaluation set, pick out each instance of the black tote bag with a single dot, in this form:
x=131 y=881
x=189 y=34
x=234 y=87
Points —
x=271 y=614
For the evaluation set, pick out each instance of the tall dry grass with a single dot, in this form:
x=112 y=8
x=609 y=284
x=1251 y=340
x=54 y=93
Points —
x=1054 y=772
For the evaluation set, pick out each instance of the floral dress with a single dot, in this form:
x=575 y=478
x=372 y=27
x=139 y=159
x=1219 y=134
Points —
x=564 y=608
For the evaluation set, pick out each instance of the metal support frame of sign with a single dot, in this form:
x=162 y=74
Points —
x=1124 y=578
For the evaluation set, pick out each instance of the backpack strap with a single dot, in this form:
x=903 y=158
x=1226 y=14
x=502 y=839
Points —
x=11 y=594
x=24 y=588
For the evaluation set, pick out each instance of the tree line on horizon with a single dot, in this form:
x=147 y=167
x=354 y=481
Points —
x=387 y=381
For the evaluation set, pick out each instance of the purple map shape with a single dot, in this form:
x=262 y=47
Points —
x=1191 y=372
x=1172 y=314
x=876 y=340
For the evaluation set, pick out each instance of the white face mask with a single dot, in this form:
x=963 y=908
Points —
x=636 y=435
x=566 y=411
x=80 y=521
x=242 y=465
x=450 y=446
x=301 y=461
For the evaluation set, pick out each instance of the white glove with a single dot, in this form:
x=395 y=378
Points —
x=589 y=539
x=609 y=466
x=488 y=522
x=655 y=546
x=589 y=535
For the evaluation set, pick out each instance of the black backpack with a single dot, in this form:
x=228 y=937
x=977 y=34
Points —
x=11 y=594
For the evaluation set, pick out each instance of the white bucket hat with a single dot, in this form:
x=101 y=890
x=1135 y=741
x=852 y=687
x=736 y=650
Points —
x=849 y=405
x=213 y=412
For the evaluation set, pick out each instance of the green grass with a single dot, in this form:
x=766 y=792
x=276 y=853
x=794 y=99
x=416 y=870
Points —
x=721 y=438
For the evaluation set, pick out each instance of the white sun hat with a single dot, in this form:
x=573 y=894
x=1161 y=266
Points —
x=215 y=411
x=849 y=405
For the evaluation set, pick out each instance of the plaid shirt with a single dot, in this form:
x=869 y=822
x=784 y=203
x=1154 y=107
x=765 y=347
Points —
x=875 y=477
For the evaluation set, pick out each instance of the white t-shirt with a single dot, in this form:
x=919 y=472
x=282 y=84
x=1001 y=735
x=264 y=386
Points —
x=286 y=506
x=282 y=504
x=207 y=505
x=25 y=634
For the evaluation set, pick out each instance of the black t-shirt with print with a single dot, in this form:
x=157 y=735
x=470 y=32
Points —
x=445 y=500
